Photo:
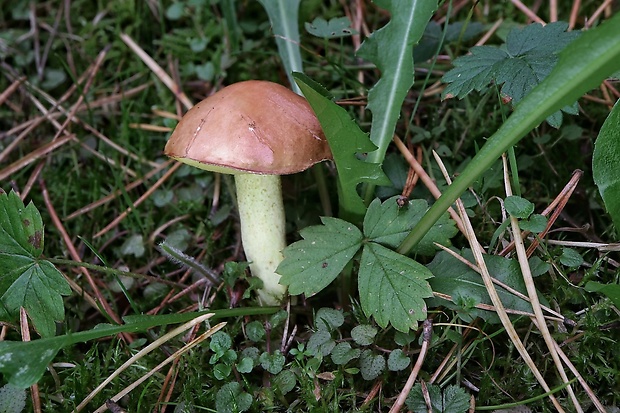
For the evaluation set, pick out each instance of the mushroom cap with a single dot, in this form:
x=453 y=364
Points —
x=253 y=126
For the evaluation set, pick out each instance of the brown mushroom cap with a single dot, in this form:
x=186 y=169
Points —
x=253 y=126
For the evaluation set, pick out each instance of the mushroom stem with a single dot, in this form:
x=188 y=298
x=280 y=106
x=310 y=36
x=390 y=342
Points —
x=261 y=213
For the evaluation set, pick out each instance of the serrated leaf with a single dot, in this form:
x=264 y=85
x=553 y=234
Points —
x=429 y=44
x=398 y=360
x=525 y=60
x=390 y=49
x=347 y=142
x=453 y=399
x=606 y=164
x=392 y=287
x=371 y=365
x=26 y=280
x=313 y=263
x=467 y=289
x=388 y=224
x=582 y=66
x=334 y=28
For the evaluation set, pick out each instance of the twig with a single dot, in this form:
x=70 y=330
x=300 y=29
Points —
x=142 y=198
x=529 y=13
x=75 y=256
x=159 y=72
x=531 y=292
x=501 y=311
x=427 y=332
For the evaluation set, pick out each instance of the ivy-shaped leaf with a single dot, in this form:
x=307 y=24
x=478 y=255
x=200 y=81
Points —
x=313 y=263
x=452 y=399
x=606 y=164
x=347 y=143
x=392 y=287
x=334 y=28
x=26 y=280
x=388 y=224
x=390 y=49
x=527 y=58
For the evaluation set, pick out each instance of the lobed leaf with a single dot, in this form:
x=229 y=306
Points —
x=347 y=143
x=388 y=224
x=392 y=287
x=313 y=263
x=334 y=28
x=527 y=57
x=26 y=280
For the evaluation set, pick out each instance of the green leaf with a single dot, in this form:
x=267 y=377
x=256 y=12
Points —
x=536 y=223
x=284 y=15
x=347 y=142
x=273 y=363
x=527 y=58
x=12 y=399
x=320 y=342
x=612 y=291
x=390 y=49
x=392 y=287
x=518 y=207
x=388 y=224
x=313 y=263
x=583 y=65
x=328 y=319
x=371 y=365
x=429 y=44
x=285 y=381
x=453 y=399
x=230 y=398
x=343 y=353
x=334 y=28
x=26 y=280
x=571 y=258
x=23 y=363
x=467 y=289
x=606 y=163
x=255 y=331
x=398 y=360
x=364 y=334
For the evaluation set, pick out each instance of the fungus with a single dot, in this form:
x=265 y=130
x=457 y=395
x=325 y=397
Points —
x=256 y=131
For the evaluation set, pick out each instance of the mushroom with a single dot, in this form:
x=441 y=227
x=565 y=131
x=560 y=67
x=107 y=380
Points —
x=256 y=131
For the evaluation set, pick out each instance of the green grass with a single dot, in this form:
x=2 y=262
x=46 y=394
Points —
x=196 y=45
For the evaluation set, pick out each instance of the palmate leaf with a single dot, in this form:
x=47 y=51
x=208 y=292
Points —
x=347 y=142
x=606 y=164
x=26 y=280
x=313 y=263
x=388 y=224
x=392 y=287
x=527 y=58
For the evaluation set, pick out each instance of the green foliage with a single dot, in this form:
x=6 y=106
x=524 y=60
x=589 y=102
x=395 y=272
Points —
x=395 y=62
x=27 y=280
x=452 y=399
x=12 y=399
x=391 y=286
x=612 y=291
x=433 y=38
x=347 y=143
x=466 y=288
x=518 y=207
x=334 y=28
x=582 y=66
x=606 y=163
x=525 y=60
x=232 y=399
